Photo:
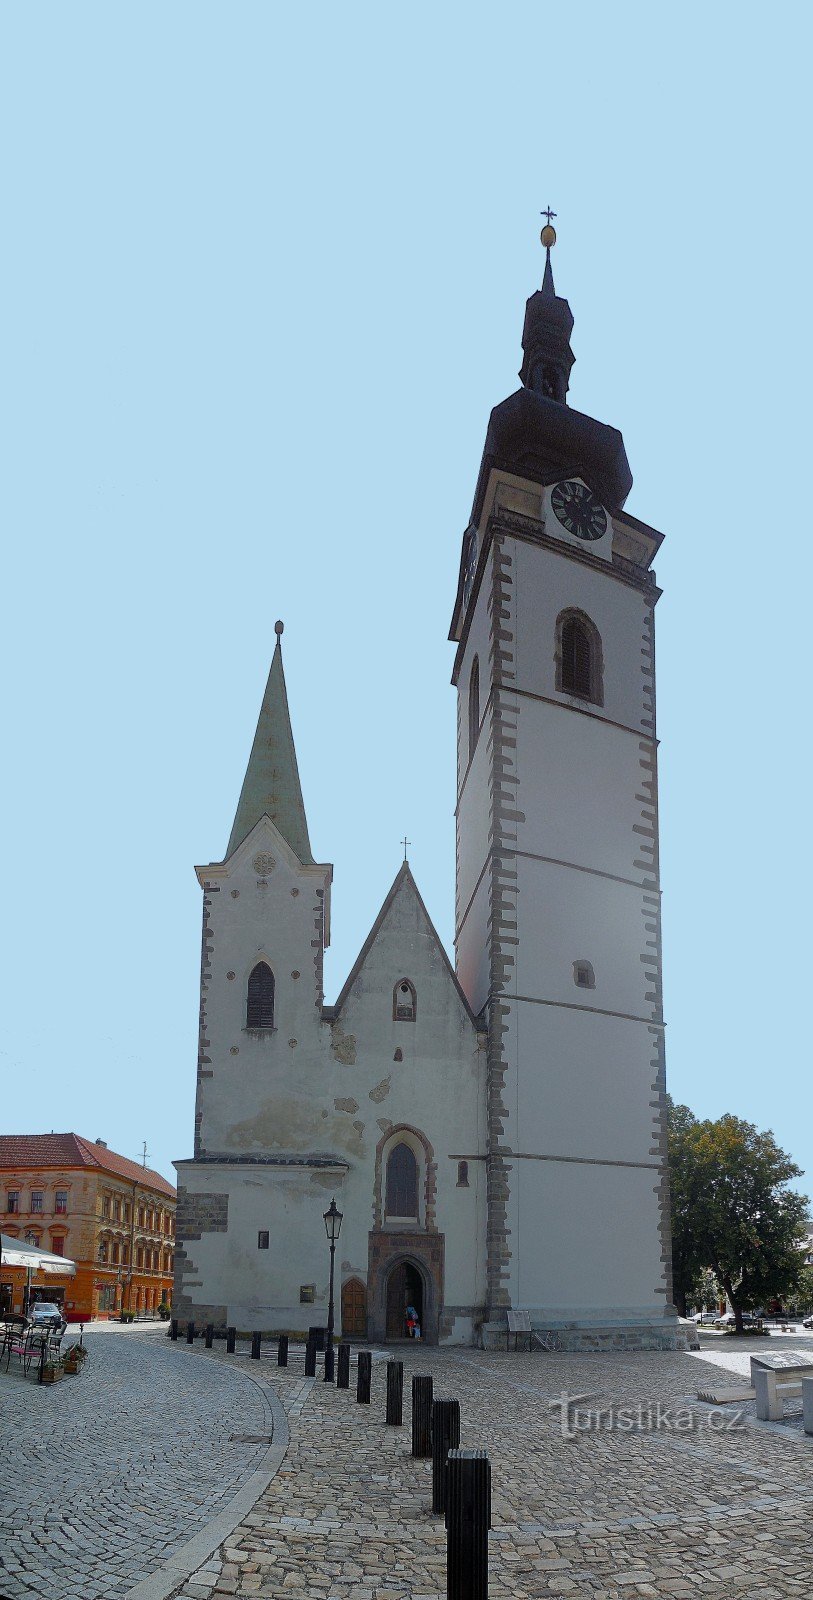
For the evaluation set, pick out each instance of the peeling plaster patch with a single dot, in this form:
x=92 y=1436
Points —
x=343 y=1045
x=359 y=1127
x=384 y=1124
x=324 y=1113
x=346 y=1105
x=381 y=1089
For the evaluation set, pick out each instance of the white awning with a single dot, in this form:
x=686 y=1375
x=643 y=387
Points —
x=15 y=1253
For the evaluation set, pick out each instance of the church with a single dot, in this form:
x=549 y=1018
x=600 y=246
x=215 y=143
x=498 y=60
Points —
x=492 y=1128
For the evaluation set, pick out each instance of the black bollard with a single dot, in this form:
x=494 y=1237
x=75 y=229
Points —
x=343 y=1367
x=422 y=1416
x=190 y=1332
x=256 y=1340
x=231 y=1336
x=445 y=1437
x=468 y=1519
x=317 y=1336
x=210 y=1335
x=173 y=1328
x=282 y=1350
x=364 y=1376
x=310 y=1359
x=395 y=1393
x=330 y=1362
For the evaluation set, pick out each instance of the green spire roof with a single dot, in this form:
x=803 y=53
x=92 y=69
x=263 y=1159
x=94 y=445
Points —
x=271 y=785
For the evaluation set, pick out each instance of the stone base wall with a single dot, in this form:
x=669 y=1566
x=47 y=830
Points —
x=644 y=1336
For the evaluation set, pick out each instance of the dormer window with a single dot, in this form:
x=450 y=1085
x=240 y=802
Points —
x=404 y=1001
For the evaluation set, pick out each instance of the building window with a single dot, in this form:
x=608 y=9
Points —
x=583 y=975
x=36 y=1199
x=260 y=997
x=12 y=1200
x=61 y=1204
x=58 y=1246
x=114 y=1255
x=474 y=705
x=402 y=1182
x=117 y=1210
x=105 y=1205
x=404 y=1001
x=141 y=1216
x=579 y=668
x=140 y=1256
x=102 y=1251
x=462 y=1174
x=262 y=1239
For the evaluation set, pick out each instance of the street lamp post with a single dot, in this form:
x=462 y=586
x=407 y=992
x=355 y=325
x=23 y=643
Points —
x=333 y=1223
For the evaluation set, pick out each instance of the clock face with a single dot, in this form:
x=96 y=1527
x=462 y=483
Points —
x=579 y=511
x=469 y=564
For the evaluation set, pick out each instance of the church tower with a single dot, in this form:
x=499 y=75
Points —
x=557 y=904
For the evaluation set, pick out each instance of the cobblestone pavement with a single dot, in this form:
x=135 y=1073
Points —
x=609 y=1514
x=105 y=1474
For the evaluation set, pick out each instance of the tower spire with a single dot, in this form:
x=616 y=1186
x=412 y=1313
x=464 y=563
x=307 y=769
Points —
x=271 y=785
x=548 y=357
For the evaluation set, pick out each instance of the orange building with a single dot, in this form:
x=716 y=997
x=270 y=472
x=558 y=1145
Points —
x=78 y=1199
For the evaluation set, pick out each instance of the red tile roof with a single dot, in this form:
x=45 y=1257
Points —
x=70 y=1150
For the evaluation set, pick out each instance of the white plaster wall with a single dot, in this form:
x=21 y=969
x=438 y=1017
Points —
x=579 y=789
x=473 y=955
x=565 y=916
x=579 y=1084
x=586 y=1241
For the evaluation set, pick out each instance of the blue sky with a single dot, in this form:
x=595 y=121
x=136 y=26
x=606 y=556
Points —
x=264 y=278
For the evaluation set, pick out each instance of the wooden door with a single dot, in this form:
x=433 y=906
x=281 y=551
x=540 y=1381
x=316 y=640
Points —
x=354 y=1309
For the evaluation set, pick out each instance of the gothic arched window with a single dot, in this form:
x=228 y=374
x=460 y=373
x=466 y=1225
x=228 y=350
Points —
x=474 y=705
x=260 y=997
x=404 y=1001
x=402 y=1182
x=578 y=657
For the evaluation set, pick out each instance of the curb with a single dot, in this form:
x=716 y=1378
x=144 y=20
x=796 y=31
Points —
x=178 y=1568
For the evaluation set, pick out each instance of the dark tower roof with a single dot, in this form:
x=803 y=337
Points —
x=534 y=433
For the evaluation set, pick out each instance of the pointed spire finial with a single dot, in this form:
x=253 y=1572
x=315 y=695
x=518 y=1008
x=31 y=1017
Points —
x=548 y=238
x=279 y=629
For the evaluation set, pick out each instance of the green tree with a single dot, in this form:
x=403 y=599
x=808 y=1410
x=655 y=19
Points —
x=733 y=1211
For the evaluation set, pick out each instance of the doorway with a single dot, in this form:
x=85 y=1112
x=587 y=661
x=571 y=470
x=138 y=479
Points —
x=354 y=1309
x=404 y=1294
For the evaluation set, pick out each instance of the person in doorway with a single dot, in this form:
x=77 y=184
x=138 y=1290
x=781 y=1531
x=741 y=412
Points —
x=413 y=1326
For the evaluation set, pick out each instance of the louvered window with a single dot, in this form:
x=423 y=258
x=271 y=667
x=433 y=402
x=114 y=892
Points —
x=402 y=1183
x=260 y=1000
x=577 y=659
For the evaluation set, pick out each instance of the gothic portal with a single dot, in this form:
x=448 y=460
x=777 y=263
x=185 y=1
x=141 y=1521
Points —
x=493 y=1132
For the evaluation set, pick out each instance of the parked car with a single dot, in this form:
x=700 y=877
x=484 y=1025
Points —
x=808 y=1322
x=705 y=1316
x=729 y=1320
x=45 y=1314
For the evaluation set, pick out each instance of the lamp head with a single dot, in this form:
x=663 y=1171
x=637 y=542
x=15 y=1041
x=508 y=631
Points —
x=333 y=1221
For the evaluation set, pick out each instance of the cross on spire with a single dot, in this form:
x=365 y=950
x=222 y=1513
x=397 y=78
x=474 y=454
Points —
x=405 y=842
x=548 y=214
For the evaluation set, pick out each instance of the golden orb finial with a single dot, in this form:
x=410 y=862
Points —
x=548 y=234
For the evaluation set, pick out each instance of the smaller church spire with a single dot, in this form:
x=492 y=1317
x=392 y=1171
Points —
x=271 y=786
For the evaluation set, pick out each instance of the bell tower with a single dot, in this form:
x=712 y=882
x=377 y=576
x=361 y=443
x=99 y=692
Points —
x=558 y=903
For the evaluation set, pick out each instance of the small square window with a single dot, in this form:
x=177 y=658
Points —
x=262 y=1239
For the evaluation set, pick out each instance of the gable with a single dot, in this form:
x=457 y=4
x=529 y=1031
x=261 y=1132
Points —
x=403 y=943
